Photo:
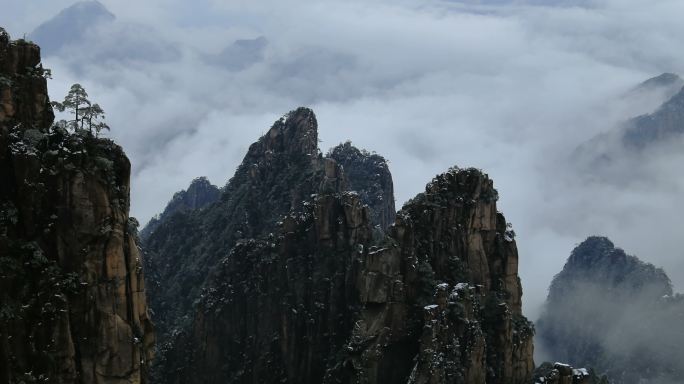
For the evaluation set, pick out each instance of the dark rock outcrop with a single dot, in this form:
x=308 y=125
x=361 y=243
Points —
x=277 y=176
x=612 y=312
x=73 y=306
x=368 y=174
x=280 y=308
x=318 y=298
x=560 y=373
x=199 y=194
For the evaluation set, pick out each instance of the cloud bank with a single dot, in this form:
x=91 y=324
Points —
x=510 y=87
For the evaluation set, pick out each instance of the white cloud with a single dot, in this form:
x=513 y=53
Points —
x=509 y=88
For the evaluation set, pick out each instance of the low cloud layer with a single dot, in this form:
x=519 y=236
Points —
x=510 y=87
x=632 y=337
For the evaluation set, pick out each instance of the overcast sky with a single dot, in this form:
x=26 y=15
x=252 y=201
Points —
x=504 y=86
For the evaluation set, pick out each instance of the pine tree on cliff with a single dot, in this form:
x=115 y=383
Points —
x=85 y=112
x=75 y=101
x=93 y=116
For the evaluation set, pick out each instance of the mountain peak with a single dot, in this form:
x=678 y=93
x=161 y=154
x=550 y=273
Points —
x=199 y=194
x=70 y=25
x=466 y=184
x=597 y=259
x=615 y=313
x=294 y=133
x=86 y=9
x=592 y=249
x=199 y=183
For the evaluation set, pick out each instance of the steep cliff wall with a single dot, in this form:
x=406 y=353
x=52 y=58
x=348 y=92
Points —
x=73 y=305
x=279 y=172
x=368 y=174
x=321 y=299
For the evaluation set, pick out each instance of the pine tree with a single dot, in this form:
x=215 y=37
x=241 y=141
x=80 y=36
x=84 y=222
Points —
x=86 y=114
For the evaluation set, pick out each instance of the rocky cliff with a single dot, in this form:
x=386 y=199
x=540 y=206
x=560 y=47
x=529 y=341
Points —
x=615 y=313
x=369 y=175
x=302 y=289
x=278 y=174
x=73 y=304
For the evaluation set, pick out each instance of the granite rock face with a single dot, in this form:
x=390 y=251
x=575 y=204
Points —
x=612 y=312
x=73 y=306
x=23 y=89
x=309 y=292
x=280 y=308
x=461 y=284
x=369 y=175
x=278 y=174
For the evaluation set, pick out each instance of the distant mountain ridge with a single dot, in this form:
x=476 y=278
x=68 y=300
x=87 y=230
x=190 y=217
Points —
x=71 y=25
x=199 y=194
x=638 y=135
x=240 y=55
x=664 y=124
x=87 y=33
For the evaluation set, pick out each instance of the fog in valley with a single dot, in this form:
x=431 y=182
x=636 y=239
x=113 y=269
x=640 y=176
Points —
x=519 y=89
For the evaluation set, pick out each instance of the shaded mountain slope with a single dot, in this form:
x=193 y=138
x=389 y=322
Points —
x=369 y=175
x=199 y=194
x=284 y=279
x=613 y=312
x=615 y=152
x=279 y=172
x=438 y=300
x=664 y=124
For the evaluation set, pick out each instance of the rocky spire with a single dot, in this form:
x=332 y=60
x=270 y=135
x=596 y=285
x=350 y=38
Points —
x=280 y=172
x=296 y=133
